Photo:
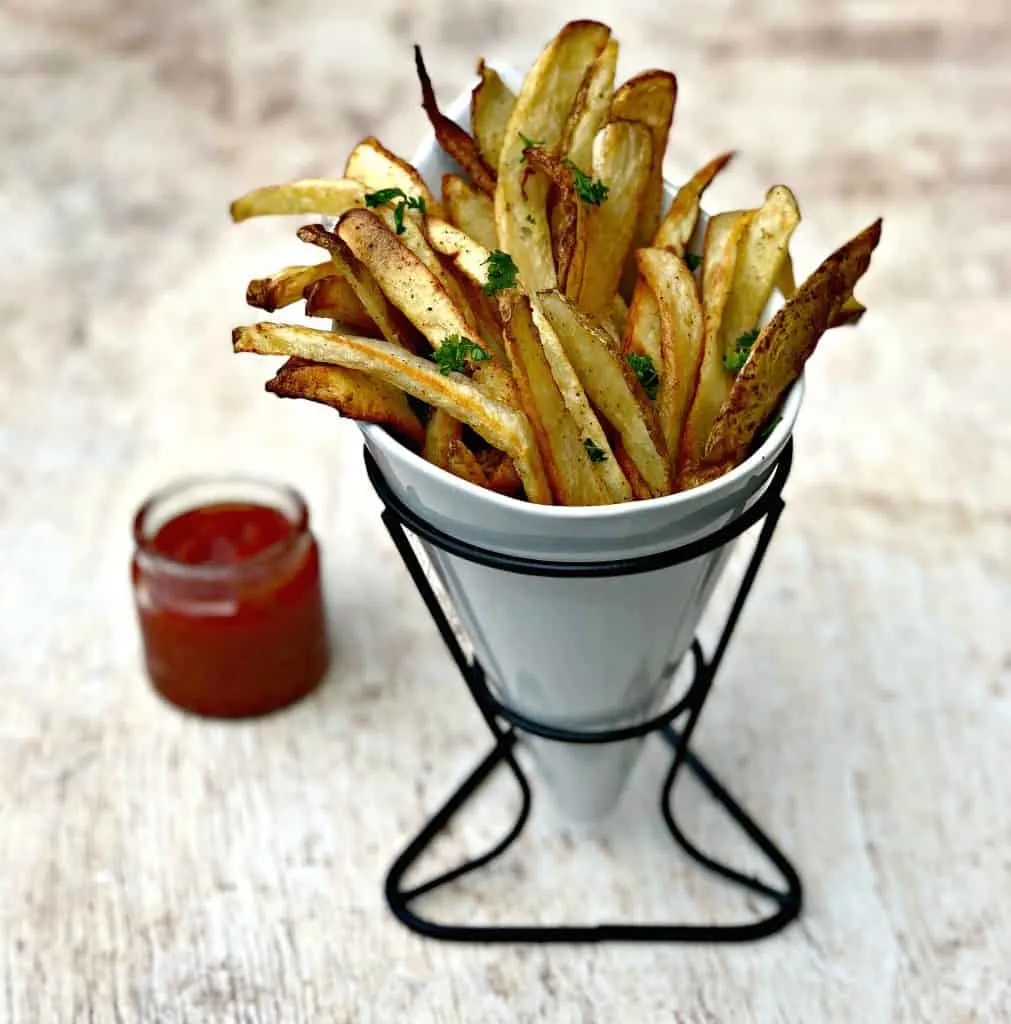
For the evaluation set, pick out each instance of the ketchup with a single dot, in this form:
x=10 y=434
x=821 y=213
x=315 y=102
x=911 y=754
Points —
x=227 y=585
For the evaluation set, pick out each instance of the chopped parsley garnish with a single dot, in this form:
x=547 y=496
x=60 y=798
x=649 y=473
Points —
x=531 y=219
x=768 y=429
x=454 y=352
x=692 y=262
x=501 y=272
x=596 y=453
x=643 y=368
x=388 y=195
x=738 y=356
x=528 y=143
x=590 y=190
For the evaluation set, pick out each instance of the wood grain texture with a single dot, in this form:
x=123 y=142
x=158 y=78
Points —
x=159 y=869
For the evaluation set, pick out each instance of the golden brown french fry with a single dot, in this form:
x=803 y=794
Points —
x=723 y=237
x=324 y=196
x=540 y=114
x=499 y=425
x=377 y=168
x=648 y=98
x=850 y=313
x=787 y=342
x=386 y=317
x=569 y=230
x=470 y=210
x=678 y=226
x=440 y=432
x=403 y=278
x=618 y=315
x=580 y=409
x=676 y=294
x=352 y=393
x=286 y=286
x=760 y=260
x=491 y=106
x=622 y=154
x=334 y=299
x=497 y=383
x=461 y=462
x=500 y=472
x=565 y=457
x=613 y=388
x=590 y=108
x=641 y=336
x=640 y=490
x=450 y=136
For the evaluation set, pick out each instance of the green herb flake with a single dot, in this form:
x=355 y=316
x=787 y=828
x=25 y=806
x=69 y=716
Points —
x=528 y=143
x=589 y=190
x=768 y=429
x=692 y=261
x=454 y=353
x=738 y=355
x=595 y=452
x=643 y=368
x=388 y=195
x=501 y=272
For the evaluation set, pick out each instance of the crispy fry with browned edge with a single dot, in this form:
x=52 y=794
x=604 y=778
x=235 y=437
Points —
x=461 y=462
x=760 y=260
x=500 y=471
x=541 y=110
x=613 y=388
x=674 y=290
x=590 y=108
x=377 y=168
x=441 y=431
x=324 y=196
x=352 y=393
x=723 y=237
x=386 y=317
x=469 y=209
x=640 y=490
x=784 y=346
x=648 y=98
x=622 y=155
x=499 y=425
x=678 y=225
x=491 y=106
x=450 y=136
x=641 y=336
x=565 y=457
x=286 y=286
x=569 y=230
x=404 y=279
x=334 y=299
x=497 y=383
x=851 y=312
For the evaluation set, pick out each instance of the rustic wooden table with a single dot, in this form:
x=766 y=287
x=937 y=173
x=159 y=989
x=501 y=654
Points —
x=156 y=868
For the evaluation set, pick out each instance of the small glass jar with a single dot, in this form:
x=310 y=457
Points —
x=226 y=578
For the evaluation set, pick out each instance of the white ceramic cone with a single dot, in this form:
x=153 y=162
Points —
x=586 y=653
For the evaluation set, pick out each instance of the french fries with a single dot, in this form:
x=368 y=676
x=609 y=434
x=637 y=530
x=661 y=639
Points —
x=469 y=209
x=393 y=326
x=566 y=458
x=491 y=106
x=785 y=345
x=501 y=426
x=648 y=98
x=622 y=160
x=539 y=116
x=453 y=139
x=546 y=301
x=613 y=388
x=352 y=393
x=326 y=196
x=286 y=286
x=334 y=299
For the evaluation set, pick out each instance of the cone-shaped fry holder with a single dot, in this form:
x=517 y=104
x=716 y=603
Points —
x=675 y=725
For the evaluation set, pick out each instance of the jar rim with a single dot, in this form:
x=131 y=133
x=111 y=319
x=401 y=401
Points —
x=281 y=496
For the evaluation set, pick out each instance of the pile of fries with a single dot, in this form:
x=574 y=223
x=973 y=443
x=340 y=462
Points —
x=542 y=329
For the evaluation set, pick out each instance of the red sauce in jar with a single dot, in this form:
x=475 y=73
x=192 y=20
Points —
x=227 y=584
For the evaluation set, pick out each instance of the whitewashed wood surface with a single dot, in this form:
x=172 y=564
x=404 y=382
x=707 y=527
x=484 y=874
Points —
x=159 y=869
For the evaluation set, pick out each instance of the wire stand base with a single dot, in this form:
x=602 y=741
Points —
x=676 y=725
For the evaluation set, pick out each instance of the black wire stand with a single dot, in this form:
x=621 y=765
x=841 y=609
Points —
x=675 y=725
